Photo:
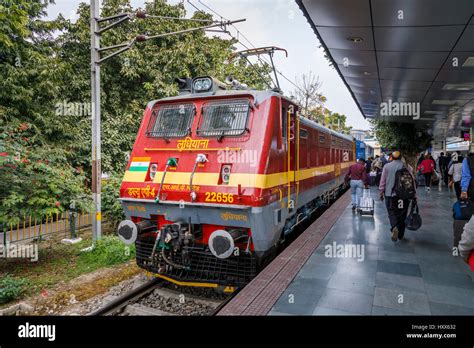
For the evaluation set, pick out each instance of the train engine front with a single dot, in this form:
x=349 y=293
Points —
x=192 y=190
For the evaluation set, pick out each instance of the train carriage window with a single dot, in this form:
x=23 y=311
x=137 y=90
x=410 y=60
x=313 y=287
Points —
x=322 y=139
x=284 y=118
x=223 y=118
x=303 y=133
x=170 y=121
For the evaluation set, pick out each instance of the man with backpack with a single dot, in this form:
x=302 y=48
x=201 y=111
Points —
x=397 y=187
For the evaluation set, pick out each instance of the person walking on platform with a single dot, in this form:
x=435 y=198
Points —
x=455 y=172
x=443 y=166
x=427 y=168
x=467 y=185
x=397 y=202
x=377 y=166
x=466 y=244
x=358 y=179
x=383 y=158
x=368 y=165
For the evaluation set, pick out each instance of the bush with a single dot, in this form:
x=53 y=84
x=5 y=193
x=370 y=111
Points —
x=11 y=288
x=111 y=206
x=108 y=251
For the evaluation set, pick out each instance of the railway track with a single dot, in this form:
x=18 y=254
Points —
x=155 y=298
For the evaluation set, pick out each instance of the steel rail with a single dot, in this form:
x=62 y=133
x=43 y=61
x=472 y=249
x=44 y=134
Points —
x=131 y=296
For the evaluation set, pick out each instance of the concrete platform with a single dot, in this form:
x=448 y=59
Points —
x=375 y=276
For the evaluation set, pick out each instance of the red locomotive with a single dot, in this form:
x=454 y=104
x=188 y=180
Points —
x=218 y=177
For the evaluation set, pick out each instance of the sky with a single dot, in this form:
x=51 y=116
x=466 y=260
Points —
x=271 y=23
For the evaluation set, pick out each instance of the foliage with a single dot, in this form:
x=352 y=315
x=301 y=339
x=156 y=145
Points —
x=11 y=288
x=109 y=251
x=45 y=67
x=37 y=180
x=111 y=206
x=146 y=72
x=404 y=137
x=307 y=94
x=330 y=119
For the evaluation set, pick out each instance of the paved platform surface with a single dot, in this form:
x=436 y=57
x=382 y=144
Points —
x=419 y=276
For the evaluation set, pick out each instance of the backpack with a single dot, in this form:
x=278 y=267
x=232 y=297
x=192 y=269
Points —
x=404 y=187
x=462 y=210
x=377 y=164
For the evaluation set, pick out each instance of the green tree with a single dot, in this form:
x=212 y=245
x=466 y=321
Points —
x=404 y=137
x=144 y=73
x=45 y=68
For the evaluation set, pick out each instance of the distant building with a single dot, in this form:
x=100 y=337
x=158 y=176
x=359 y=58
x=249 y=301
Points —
x=359 y=134
x=373 y=142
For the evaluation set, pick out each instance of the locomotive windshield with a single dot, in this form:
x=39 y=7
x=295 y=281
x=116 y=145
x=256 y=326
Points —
x=171 y=121
x=224 y=118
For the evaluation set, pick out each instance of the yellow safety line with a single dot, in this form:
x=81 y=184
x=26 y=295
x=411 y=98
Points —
x=297 y=167
x=196 y=284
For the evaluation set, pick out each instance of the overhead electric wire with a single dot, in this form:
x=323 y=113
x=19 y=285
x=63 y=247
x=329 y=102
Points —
x=239 y=33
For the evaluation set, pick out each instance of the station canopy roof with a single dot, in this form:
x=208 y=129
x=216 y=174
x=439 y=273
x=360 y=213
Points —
x=405 y=51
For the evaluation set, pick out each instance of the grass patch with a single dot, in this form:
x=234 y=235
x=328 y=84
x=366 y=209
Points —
x=58 y=263
x=108 y=251
x=11 y=288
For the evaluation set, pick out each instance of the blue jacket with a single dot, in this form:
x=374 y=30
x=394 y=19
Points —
x=465 y=175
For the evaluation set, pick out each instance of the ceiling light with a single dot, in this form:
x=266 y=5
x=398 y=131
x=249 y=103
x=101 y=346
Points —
x=367 y=73
x=355 y=39
x=469 y=62
x=458 y=86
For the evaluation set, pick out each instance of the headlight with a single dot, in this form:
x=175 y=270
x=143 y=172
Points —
x=202 y=84
x=153 y=170
x=225 y=173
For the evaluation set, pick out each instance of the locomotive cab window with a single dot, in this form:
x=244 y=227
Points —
x=224 y=118
x=171 y=121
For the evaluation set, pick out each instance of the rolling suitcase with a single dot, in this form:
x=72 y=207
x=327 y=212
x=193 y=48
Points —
x=366 y=203
x=372 y=177
x=420 y=180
